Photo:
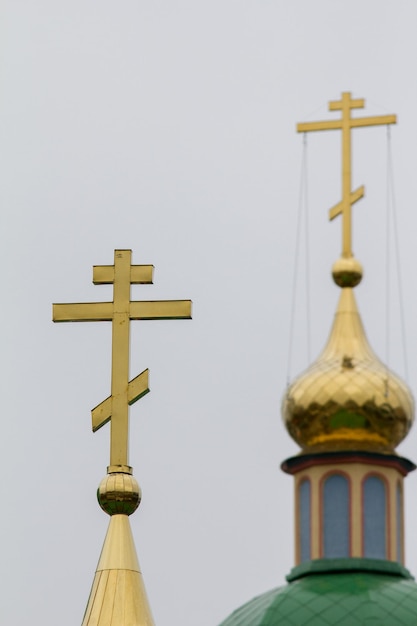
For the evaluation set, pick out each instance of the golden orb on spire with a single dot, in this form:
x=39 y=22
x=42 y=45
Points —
x=119 y=493
x=347 y=272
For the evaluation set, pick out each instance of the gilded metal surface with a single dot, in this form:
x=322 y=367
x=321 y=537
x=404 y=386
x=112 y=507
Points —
x=119 y=493
x=345 y=124
x=347 y=272
x=118 y=596
x=348 y=399
x=136 y=389
x=123 y=392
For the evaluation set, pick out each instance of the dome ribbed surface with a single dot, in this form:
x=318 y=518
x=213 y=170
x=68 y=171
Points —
x=348 y=399
x=356 y=598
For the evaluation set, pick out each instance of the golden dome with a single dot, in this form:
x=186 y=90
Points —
x=348 y=399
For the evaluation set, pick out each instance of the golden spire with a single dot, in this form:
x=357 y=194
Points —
x=347 y=399
x=118 y=596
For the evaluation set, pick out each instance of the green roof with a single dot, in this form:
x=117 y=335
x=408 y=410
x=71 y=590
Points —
x=342 y=592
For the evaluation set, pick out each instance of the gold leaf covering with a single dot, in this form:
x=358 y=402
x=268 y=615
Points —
x=118 y=596
x=348 y=399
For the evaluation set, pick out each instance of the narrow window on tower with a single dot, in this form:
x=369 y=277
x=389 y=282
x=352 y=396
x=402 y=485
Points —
x=374 y=518
x=399 y=498
x=336 y=517
x=304 y=519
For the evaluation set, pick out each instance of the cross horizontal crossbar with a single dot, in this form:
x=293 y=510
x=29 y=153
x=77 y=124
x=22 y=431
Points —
x=305 y=127
x=337 y=105
x=139 y=274
x=104 y=311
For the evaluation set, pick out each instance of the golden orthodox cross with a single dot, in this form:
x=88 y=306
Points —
x=123 y=392
x=345 y=124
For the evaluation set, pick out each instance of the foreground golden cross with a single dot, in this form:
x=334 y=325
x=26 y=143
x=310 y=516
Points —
x=345 y=124
x=123 y=393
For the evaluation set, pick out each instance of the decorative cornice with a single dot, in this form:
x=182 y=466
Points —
x=333 y=566
x=296 y=464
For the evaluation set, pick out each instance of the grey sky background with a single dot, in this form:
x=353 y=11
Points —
x=168 y=127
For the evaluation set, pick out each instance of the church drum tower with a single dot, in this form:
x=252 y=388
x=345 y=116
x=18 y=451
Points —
x=347 y=412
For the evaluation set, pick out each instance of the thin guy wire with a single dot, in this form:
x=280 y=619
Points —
x=397 y=254
x=296 y=257
x=307 y=255
x=387 y=268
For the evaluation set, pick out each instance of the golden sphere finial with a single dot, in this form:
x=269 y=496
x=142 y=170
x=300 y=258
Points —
x=347 y=272
x=119 y=492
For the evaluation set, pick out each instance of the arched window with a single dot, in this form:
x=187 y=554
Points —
x=304 y=519
x=399 y=538
x=336 y=518
x=374 y=518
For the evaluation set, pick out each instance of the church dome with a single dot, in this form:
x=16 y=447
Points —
x=363 y=592
x=348 y=399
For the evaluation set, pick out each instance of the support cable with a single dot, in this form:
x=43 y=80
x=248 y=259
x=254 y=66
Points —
x=302 y=209
x=387 y=266
x=392 y=205
x=307 y=251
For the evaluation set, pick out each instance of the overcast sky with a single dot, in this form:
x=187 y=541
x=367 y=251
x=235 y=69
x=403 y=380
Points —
x=168 y=127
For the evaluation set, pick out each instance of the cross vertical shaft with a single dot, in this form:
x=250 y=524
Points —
x=119 y=424
x=347 y=176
